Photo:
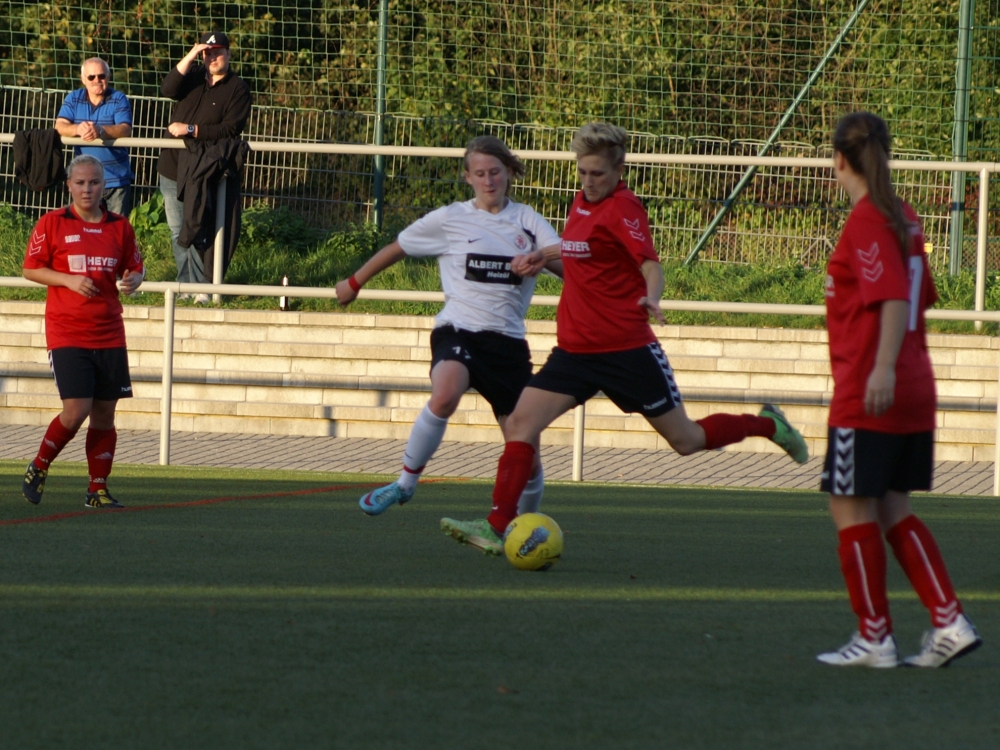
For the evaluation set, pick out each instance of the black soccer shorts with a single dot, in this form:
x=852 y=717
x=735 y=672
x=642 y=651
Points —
x=100 y=374
x=865 y=463
x=637 y=380
x=499 y=365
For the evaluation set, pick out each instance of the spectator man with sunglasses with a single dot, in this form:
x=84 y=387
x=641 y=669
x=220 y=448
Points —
x=99 y=112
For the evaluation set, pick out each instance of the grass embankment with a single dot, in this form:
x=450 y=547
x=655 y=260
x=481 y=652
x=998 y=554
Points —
x=281 y=616
x=277 y=243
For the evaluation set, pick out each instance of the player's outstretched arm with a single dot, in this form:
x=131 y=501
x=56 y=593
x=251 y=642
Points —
x=652 y=271
x=531 y=264
x=347 y=289
x=82 y=285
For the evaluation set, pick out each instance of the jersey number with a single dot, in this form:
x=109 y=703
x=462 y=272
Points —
x=916 y=279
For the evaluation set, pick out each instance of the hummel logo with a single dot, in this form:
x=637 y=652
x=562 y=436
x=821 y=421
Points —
x=36 y=243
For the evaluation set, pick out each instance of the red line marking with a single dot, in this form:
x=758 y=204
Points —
x=206 y=501
x=189 y=504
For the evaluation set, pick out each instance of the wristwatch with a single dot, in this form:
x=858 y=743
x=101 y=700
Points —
x=191 y=130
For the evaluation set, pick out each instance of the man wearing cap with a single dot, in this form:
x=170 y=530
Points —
x=98 y=112
x=213 y=103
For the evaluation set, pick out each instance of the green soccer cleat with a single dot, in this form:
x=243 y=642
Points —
x=785 y=436
x=34 y=483
x=478 y=534
x=102 y=499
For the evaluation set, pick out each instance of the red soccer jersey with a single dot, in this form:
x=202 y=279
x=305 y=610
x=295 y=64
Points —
x=865 y=270
x=101 y=250
x=603 y=246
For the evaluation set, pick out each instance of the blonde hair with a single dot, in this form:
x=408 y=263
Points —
x=84 y=160
x=601 y=138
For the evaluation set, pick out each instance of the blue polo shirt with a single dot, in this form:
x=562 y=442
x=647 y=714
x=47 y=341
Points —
x=113 y=110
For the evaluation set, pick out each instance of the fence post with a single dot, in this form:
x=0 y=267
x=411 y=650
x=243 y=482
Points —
x=960 y=137
x=220 y=237
x=383 y=32
x=996 y=450
x=167 y=387
x=984 y=209
x=579 y=422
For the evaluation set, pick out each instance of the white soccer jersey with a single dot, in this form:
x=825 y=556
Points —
x=474 y=248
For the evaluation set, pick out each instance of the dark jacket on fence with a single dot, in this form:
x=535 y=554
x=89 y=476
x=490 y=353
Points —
x=219 y=111
x=200 y=166
x=38 y=158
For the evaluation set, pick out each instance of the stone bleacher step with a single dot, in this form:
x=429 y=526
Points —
x=330 y=373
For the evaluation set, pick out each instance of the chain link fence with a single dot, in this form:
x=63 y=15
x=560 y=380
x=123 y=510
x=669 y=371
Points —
x=707 y=77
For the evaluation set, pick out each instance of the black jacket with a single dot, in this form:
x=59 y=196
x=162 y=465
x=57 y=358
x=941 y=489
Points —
x=38 y=158
x=200 y=166
x=219 y=111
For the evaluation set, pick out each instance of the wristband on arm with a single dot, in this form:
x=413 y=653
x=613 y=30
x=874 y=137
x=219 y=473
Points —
x=354 y=284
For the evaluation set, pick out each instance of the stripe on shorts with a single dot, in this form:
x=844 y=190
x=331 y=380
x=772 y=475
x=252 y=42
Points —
x=667 y=370
x=843 y=462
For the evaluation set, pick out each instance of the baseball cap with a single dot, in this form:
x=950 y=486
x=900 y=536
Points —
x=214 y=39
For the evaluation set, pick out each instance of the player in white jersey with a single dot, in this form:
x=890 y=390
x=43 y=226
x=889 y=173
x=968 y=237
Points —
x=478 y=339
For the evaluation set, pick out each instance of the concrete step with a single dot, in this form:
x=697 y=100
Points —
x=366 y=376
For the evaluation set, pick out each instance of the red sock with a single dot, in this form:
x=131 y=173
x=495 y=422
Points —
x=726 y=429
x=919 y=556
x=862 y=561
x=100 y=455
x=56 y=437
x=513 y=473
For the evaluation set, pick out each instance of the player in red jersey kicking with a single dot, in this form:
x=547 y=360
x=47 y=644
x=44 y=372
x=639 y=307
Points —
x=79 y=252
x=881 y=430
x=478 y=339
x=613 y=283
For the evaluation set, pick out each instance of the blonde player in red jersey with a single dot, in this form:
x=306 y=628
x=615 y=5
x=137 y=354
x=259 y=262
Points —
x=80 y=252
x=613 y=282
x=881 y=426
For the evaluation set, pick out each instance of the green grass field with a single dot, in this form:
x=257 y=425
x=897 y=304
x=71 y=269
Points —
x=281 y=616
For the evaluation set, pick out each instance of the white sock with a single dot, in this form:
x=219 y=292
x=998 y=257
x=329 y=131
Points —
x=531 y=497
x=425 y=437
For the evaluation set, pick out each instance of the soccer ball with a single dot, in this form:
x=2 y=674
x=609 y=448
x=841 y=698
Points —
x=533 y=541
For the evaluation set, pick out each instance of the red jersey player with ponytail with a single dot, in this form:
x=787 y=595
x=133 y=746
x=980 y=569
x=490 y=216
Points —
x=80 y=252
x=613 y=283
x=881 y=431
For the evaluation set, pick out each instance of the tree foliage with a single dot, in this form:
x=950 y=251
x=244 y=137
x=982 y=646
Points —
x=715 y=68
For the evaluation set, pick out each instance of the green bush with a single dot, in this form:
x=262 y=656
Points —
x=277 y=243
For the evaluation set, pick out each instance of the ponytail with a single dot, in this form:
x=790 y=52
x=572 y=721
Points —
x=863 y=139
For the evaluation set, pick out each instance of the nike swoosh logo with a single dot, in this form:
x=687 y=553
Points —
x=475 y=239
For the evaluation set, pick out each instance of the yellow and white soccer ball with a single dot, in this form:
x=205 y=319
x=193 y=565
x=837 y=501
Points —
x=533 y=542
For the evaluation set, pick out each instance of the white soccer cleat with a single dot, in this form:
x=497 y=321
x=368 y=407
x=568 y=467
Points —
x=860 y=652
x=943 y=645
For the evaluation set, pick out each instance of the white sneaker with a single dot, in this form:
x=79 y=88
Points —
x=202 y=299
x=183 y=296
x=942 y=645
x=860 y=652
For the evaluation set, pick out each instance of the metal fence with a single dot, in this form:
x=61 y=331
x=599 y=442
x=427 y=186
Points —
x=786 y=213
x=685 y=76
x=171 y=289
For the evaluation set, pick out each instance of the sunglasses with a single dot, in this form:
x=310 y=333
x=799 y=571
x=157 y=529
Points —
x=98 y=76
